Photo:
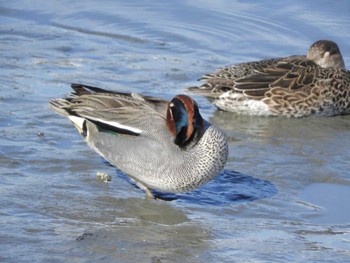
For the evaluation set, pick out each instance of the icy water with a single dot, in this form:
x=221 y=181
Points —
x=284 y=194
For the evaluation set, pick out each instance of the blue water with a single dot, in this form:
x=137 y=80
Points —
x=283 y=195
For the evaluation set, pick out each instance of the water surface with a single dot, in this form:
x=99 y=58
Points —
x=283 y=195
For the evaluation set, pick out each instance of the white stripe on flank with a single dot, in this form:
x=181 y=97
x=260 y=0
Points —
x=78 y=121
x=121 y=126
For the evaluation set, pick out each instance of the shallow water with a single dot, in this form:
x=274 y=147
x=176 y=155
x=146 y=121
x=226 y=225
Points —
x=283 y=195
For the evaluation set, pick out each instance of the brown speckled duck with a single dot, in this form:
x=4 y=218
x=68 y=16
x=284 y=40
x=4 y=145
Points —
x=295 y=86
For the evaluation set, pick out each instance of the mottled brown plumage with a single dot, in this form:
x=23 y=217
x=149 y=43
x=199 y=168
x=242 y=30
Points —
x=295 y=86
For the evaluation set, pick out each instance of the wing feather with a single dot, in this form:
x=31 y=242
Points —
x=111 y=111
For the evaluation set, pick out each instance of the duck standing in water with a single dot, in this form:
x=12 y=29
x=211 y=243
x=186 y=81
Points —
x=295 y=86
x=160 y=145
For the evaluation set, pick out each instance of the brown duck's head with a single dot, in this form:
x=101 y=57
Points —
x=326 y=54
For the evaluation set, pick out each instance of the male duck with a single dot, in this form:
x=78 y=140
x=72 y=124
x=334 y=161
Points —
x=295 y=86
x=161 y=145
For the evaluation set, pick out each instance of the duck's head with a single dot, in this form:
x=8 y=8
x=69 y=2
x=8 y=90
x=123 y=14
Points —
x=184 y=121
x=326 y=54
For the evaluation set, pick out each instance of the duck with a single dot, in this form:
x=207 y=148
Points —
x=160 y=145
x=295 y=86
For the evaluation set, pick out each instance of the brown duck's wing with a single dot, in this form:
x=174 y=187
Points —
x=292 y=74
x=243 y=69
x=213 y=88
x=225 y=78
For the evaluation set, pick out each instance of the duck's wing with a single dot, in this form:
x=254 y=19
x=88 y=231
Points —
x=240 y=70
x=122 y=99
x=112 y=111
x=290 y=75
x=224 y=79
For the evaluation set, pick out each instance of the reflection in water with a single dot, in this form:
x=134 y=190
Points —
x=142 y=229
x=228 y=188
x=144 y=243
x=278 y=128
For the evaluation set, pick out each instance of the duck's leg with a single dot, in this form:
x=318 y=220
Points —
x=148 y=192
x=150 y=195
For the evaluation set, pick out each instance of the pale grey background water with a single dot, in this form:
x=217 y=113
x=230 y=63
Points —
x=284 y=195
